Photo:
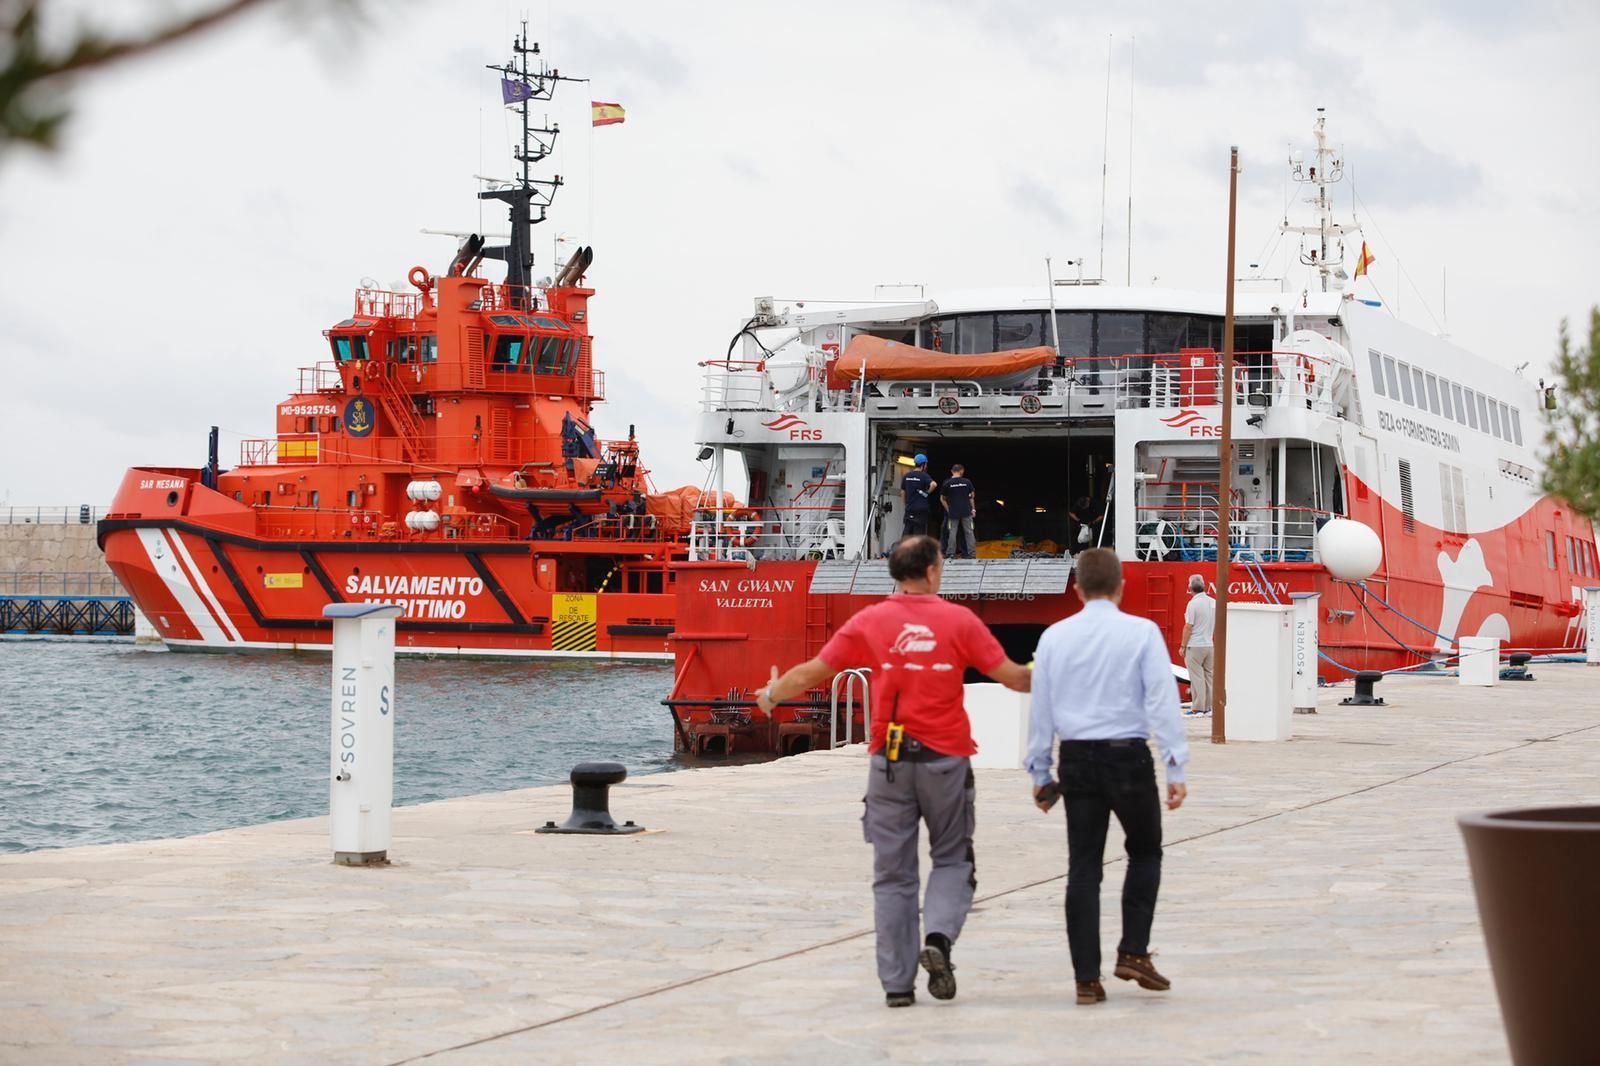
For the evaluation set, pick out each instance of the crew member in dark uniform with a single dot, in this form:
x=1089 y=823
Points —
x=916 y=489
x=960 y=501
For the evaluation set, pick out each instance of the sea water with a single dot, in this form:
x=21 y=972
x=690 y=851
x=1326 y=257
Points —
x=112 y=742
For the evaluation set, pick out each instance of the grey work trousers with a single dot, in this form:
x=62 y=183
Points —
x=940 y=792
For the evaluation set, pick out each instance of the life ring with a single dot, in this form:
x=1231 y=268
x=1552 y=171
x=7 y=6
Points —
x=485 y=525
x=419 y=278
x=355 y=519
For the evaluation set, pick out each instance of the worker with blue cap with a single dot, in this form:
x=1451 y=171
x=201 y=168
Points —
x=916 y=489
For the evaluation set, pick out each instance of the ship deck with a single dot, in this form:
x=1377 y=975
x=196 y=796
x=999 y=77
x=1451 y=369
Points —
x=1316 y=903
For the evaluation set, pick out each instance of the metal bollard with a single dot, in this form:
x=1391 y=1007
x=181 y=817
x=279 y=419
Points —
x=361 y=757
x=591 y=812
x=1517 y=668
x=1365 y=679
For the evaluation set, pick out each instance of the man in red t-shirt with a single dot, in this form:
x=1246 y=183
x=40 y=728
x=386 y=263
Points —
x=919 y=647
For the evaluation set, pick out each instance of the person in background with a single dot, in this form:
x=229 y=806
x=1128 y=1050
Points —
x=919 y=646
x=1083 y=527
x=1195 y=644
x=916 y=490
x=960 y=504
x=1102 y=684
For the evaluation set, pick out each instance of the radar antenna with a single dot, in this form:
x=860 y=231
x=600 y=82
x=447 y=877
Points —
x=1326 y=256
x=522 y=82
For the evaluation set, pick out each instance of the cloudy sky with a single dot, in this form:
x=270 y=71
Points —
x=214 y=207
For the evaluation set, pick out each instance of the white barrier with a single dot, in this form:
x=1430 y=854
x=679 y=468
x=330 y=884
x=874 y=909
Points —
x=1303 y=654
x=1260 y=667
x=999 y=725
x=1480 y=661
x=1591 y=621
x=361 y=753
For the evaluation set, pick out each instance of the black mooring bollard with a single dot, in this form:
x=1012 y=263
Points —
x=1518 y=668
x=591 y=807
x=1365 y=679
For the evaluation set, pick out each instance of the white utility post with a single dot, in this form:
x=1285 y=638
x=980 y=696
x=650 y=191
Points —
x=1479 y=662
x=1591 y=621
x=361 y=756
x=1303 y=654
x=1260 y=670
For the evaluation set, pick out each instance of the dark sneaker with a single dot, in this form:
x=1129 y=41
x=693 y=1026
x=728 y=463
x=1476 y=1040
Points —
x=1091 y=992
x=900 y=999
x=941 y=971
x=1139 y=968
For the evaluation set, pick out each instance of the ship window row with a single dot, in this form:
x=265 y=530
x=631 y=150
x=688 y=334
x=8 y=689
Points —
x=544 y=355
x=1086 y=334
x=1397 y=380
x=414 y=349
x=1580 y=556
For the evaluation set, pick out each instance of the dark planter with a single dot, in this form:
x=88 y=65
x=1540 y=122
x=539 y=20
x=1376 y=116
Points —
x=1536 y=873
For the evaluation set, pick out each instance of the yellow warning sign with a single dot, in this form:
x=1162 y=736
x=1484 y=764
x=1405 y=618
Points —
x=284 y=581
x=572 y=621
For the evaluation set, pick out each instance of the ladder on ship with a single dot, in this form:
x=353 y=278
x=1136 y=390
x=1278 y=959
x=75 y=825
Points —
x=396 y=403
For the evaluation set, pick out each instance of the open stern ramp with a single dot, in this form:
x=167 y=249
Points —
x=963 y=578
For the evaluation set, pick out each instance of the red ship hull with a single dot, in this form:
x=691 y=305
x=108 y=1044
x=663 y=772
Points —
x=209 y=580
x=736 y=622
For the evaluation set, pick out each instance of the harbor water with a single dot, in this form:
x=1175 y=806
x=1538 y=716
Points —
x=106 y=742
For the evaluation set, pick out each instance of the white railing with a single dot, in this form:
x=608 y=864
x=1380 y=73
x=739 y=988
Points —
x=51 y=515
x=768 y=533
x=1178 y=532
x=1168 y=381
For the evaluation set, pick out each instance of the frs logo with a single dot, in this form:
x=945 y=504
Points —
x=1194 y=422
x=796 y=427
x=914 y=638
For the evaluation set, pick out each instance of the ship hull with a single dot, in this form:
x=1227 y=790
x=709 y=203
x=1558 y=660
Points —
x=735 y=623
x=208 y=583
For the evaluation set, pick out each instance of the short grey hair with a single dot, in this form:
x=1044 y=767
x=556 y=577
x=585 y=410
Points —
x=1197 y=583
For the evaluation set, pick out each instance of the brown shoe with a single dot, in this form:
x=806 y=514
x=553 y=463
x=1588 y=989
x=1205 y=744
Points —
x=1139 y=968
x=1091 y=992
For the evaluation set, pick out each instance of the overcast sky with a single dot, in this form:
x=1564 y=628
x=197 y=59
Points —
x=213 y=208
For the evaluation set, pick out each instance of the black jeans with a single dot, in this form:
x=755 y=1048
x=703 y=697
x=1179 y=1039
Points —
x=915 y=522
x=1098 y=779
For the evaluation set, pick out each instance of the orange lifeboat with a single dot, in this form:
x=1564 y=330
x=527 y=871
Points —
x=877 y=359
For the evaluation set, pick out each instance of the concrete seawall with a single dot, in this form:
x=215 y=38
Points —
x=1315 y=908
x=50 y=549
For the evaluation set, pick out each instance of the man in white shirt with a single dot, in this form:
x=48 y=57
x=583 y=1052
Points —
x=1102 y=685
x=1195 y=645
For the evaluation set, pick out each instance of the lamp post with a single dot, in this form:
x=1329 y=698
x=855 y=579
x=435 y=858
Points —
x=1219 y=694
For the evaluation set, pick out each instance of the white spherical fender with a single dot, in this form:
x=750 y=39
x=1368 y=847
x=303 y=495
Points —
x=1350 y=550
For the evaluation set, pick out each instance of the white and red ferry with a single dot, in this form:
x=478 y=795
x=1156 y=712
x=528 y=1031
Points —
x=442 y=457
x=1344 y=411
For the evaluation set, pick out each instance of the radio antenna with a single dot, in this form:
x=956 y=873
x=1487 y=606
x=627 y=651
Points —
x=1105 y=154
x=1131 y=42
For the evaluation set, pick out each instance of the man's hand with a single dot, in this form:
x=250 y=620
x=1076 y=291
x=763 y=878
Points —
x=764 y=698
x=1046 y=795
x=1176 y=794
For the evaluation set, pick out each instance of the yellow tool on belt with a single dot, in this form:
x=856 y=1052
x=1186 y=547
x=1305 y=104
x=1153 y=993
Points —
x=892 y=739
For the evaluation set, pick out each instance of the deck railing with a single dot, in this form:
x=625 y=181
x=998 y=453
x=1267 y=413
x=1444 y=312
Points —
x=1182 y=532
x=768 y=533
x=50 y=514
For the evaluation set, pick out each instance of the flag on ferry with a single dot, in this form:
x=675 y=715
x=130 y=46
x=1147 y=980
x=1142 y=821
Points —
x=515 y=90
x=1366 y=260
x=606 y=114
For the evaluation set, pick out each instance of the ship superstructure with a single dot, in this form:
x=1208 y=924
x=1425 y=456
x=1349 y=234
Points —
x=1343 y=411
x=442 y=455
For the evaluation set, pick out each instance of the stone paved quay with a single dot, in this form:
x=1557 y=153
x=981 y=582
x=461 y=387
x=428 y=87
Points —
x=1316 y=908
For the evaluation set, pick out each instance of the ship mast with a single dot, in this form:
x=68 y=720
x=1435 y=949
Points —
x=524 y=82
x=1326 y=256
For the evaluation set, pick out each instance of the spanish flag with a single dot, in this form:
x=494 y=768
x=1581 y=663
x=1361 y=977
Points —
x=1366 y=260
x=606 y=114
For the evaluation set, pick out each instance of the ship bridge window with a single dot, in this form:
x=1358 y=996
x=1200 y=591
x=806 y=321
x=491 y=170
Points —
x=1377 y=371
x=1460 y=406
x=1433 y=393
x=1516 y=425
x=569 y=356
x=1020 y=330
x=1406 y=390
x=348 y=348
x=1472 y=409
x=509 y=350
x=549 y=355
x=505 y=320
x=430 y=348
x=403 y=349
x=1390 y=377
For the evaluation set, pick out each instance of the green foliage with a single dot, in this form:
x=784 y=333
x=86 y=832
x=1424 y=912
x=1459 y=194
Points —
x=1572 y=439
